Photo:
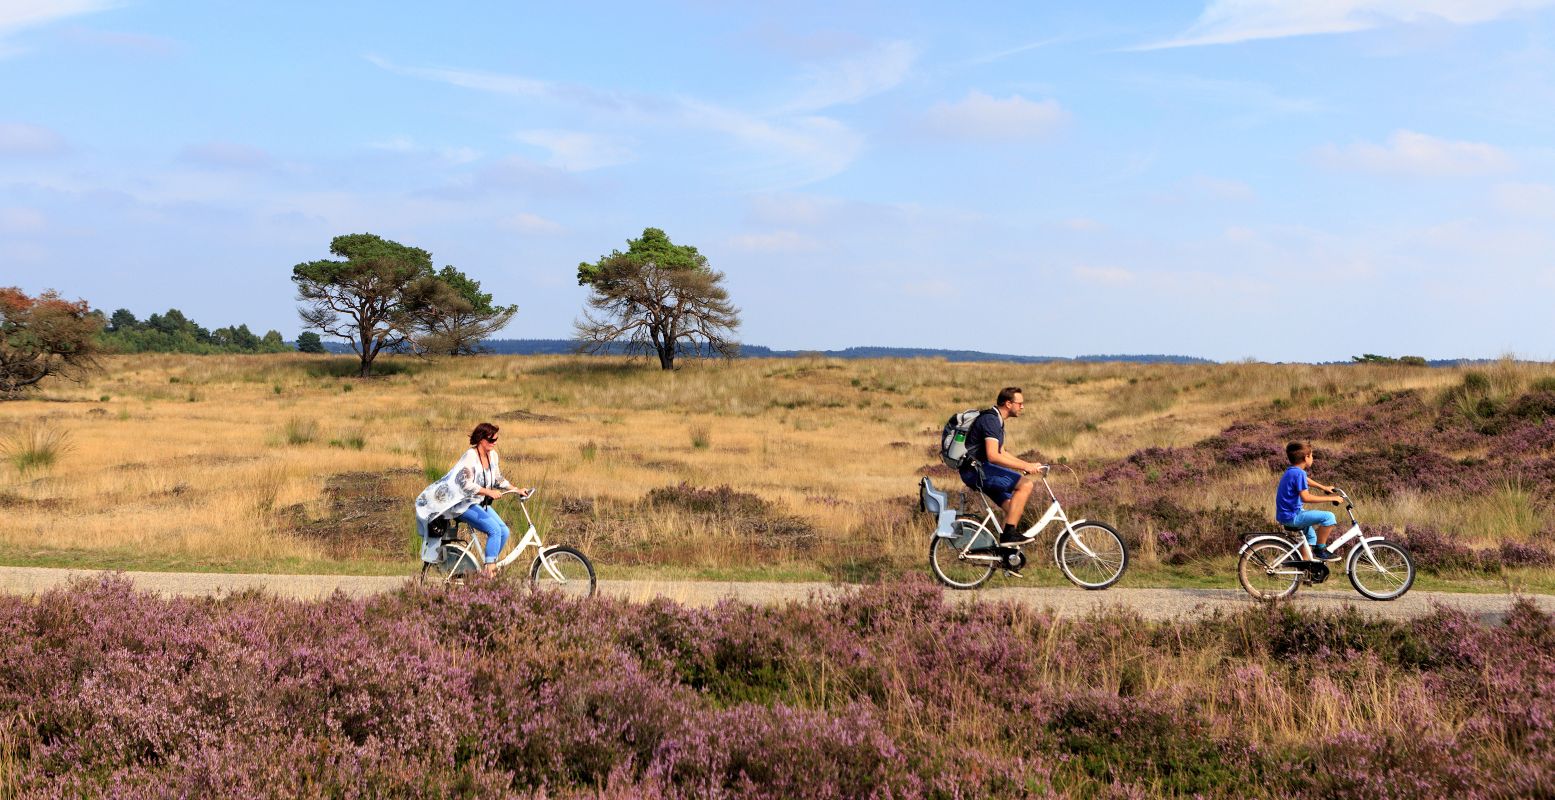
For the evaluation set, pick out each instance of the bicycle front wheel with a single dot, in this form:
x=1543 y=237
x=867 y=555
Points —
x=1385 y=575
x=945 y=557
x=563 y=569
x=1261 y=572
x=1092 y=556
x=458 y=562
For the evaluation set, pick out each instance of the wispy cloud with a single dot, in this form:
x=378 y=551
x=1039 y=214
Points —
x=1526 y=199
x=19 y=15
x=775 y=242
x=469 y=79
x=855 y=78
x=455 y=155
x=785 y=149
x=22 y=139
x=531 y=223
x=1232 y=21
x=578 y=151
x=1411 y=153
x=1015 y=51
x=981 y=116
x=226 y=155
x=21 y=220
x=1104 y=276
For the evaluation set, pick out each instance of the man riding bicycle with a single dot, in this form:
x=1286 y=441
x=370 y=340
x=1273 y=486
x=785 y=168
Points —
x=990 y=470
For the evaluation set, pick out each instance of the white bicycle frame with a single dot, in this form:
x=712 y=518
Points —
x=1055 y=512
x=531 y=538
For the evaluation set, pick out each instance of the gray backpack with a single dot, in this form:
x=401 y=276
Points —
x=952 y=448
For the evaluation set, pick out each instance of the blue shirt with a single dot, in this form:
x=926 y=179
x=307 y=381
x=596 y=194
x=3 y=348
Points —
x=1287 y=498
x=988 y=425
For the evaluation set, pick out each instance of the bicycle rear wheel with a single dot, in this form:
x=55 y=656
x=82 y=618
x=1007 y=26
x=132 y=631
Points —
x=1260 y=572
x=1386 y=575
x=563 y=569
x=945 y=556
x=1097 y=565
x=458 y=562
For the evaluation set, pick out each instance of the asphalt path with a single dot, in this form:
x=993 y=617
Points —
x=1065 y=601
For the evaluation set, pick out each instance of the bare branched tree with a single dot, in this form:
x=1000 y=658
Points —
x=656 y=297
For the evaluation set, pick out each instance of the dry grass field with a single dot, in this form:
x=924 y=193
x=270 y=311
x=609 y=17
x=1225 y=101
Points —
x=801 y=468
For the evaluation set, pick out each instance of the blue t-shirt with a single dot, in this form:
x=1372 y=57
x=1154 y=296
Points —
x=988 y=425
x=1287 y=498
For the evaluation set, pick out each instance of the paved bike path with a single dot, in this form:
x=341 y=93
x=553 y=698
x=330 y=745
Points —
x=1149 y=603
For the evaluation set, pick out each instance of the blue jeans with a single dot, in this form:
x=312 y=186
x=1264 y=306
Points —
x=486 y=521
x=1307 y=519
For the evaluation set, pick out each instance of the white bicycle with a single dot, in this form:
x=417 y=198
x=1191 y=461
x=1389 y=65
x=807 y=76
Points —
x=965 y=550
x=555 y=567
x=1270 y=565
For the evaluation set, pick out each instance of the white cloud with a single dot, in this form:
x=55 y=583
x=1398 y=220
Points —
x=228 y=155
x=1105 y=276
x=407 y=146
x=576 y=150
x=853 y=79
x=775 y=242
x=20 y=220
x=18 y=15
x=1231 y=21
x=1526 y=199
x=787 y=150
x=1221 y=189
x=21 y=139
x=1411 y=153
x=532 y=223
x=981 y=116
x=932 y=289
x=469 y=79
x=1083 y=225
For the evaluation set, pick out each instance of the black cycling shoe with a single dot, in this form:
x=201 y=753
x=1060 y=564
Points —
x=1013 y=538
x=1324 y=554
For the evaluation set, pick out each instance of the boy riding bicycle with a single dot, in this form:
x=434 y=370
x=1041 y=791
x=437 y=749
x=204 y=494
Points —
x=1288 y=508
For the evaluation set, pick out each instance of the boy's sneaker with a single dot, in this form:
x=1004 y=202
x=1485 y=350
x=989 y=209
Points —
x=1324 y=554
x=1013 y=537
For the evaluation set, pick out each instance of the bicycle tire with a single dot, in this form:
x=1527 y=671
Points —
x=1092 y=572
x=947 y=565
x=1390 y=559
x=459 y=562
x=1257 y=569
x=576 y=571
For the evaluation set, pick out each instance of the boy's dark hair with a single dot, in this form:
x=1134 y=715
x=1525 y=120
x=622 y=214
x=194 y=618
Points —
x=485 y=430
x=1297 y=452
x=1007 y=394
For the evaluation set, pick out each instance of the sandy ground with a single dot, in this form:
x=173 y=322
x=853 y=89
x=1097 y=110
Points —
x=1149 y=603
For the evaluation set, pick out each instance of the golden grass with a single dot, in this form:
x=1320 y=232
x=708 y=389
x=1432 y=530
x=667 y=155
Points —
x=199 y=455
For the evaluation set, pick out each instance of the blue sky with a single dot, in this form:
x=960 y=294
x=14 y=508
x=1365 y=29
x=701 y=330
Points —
x=1231 y=179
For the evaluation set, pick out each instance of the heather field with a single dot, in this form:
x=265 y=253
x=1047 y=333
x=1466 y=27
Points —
x=799 y=468
x=494 y=691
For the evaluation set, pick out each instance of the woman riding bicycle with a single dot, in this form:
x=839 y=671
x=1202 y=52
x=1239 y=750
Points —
x=460 y=495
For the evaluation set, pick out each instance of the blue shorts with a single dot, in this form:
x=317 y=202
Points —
x=1307 y=519
x=998 y=482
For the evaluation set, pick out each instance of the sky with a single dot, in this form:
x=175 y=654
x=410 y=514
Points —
x=1282 y=180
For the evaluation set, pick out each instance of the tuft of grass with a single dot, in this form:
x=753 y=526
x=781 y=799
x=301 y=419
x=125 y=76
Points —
x=588 y=450
x=35 y=447
x=300 y=431
x=351 y=440
x=701 y=439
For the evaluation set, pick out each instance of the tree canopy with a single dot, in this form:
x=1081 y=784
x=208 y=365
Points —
x=174 y=332
x=656 y=297
x=44 y=336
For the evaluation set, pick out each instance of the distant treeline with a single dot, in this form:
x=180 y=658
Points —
x=566 y=346
x=175 y=333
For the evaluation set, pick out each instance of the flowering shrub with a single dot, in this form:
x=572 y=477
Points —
x=883 y=692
